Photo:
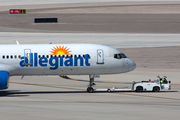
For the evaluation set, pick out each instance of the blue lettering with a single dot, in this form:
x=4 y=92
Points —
x=87 y=57
x=35 y=59
x=61 y=61
x=68 y=62
x=31 y=59
x=43 y=61
x=76 y=61
x=24 y=61
x=55 y=64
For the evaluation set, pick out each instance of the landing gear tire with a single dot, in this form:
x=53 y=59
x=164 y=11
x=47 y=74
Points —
x=109 y=90
x=90 y=90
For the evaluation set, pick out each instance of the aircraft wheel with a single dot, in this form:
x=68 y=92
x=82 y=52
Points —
x=108 y=90
x=90 y=90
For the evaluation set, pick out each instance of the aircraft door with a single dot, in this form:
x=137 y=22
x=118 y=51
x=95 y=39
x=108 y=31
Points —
x=28 y=57
x=100 y=56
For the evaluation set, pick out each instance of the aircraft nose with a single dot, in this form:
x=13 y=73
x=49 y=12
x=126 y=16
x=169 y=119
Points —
x=132 y=65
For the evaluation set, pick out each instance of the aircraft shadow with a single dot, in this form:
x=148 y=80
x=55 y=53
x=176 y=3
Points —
x=18 y=93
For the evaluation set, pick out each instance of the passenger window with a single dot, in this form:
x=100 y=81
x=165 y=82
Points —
x=7 y=56
x=19 y=56
x=3 y=56
x=47 y=56
x=11 y=57
x=15 y=56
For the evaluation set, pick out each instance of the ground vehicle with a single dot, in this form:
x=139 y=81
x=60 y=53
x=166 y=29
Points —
x=160 y=84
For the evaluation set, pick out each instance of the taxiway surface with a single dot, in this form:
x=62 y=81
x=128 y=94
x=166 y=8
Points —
x=110 y=17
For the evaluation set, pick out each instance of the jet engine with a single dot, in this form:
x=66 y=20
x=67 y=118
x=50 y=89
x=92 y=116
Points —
x=4 y=80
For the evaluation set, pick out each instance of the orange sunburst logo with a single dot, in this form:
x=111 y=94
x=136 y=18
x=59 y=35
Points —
x=60 y=51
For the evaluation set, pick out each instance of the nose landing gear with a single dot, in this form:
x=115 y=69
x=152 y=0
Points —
x=90 y=88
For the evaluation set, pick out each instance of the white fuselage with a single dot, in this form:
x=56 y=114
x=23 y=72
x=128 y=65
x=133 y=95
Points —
x=62 y=59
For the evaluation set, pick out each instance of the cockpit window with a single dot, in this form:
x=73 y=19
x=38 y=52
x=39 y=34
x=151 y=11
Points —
x=123 y=56
x=119 y=56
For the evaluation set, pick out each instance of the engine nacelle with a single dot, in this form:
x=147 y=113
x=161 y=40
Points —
x=4 y=80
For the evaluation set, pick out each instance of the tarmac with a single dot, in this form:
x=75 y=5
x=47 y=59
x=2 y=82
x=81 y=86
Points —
x=55 y=98
x=110 y=17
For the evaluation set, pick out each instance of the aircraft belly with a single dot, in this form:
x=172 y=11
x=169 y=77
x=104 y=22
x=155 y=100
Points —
x=84 y=70
x=31 y=71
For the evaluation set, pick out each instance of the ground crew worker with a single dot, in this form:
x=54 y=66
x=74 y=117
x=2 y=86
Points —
x=161 y=81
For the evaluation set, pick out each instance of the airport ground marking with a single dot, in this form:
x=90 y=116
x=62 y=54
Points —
x=148 y=96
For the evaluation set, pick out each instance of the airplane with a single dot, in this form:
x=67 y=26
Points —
x=61 y=59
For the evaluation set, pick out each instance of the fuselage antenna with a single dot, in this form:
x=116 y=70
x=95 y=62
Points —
x=17 y=42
